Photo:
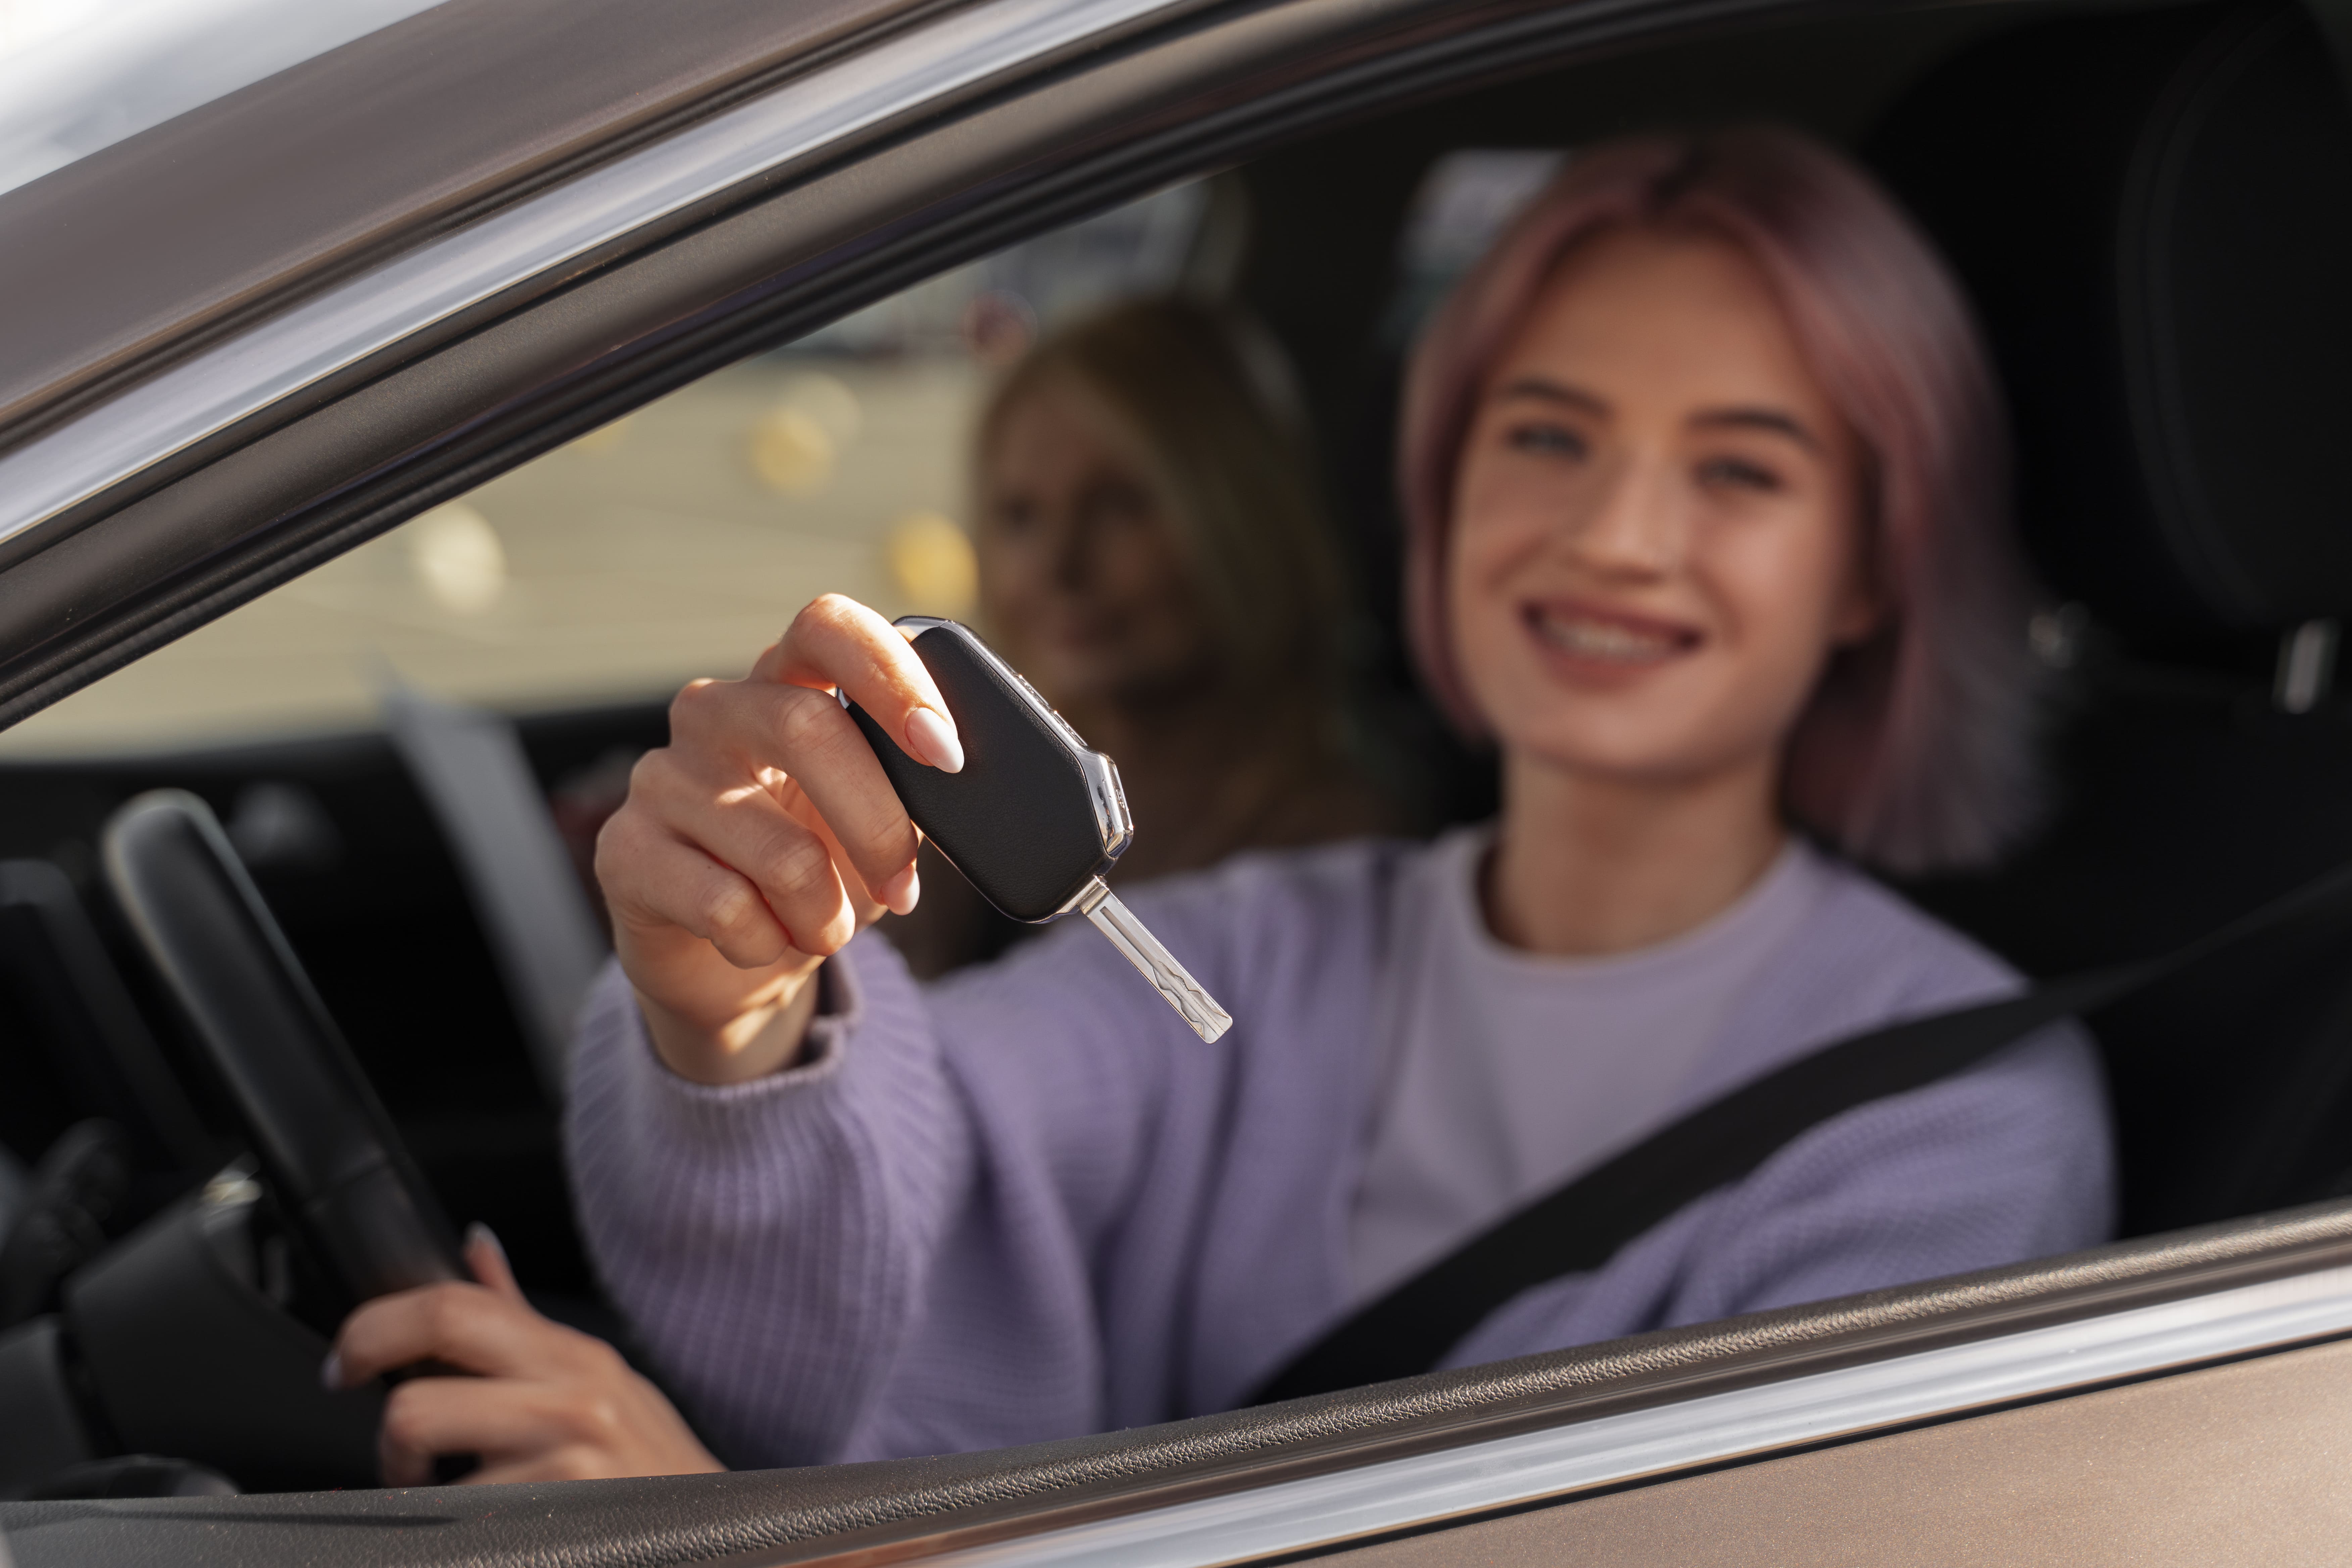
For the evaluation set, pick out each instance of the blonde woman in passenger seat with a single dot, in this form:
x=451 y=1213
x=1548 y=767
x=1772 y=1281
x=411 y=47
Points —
x=1703 y=473
x=1152 y=558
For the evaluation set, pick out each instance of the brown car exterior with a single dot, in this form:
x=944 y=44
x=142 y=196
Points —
x=250 y=339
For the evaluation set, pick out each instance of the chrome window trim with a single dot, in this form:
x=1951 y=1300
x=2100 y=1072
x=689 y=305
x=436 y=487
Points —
x=1321 y=1512
x=214 y=390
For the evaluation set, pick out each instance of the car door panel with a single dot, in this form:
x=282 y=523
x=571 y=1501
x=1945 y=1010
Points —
x=1141 y=1495
x=2236 y=1463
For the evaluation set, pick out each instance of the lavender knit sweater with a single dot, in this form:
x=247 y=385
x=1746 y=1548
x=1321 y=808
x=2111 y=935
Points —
x=1026 y=1203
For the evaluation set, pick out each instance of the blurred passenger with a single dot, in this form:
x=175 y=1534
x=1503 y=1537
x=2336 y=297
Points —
x=1152 y=558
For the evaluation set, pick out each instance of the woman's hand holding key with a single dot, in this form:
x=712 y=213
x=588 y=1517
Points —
x=764 y=837
x=753 y=845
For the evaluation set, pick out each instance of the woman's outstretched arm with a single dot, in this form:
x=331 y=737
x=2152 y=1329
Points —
x=900 y=1243
x=767 y=1145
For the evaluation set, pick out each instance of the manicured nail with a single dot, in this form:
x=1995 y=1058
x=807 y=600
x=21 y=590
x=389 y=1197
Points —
x=899 y=893
x=480 y=1235
x=935 y=740
x=331 y=1373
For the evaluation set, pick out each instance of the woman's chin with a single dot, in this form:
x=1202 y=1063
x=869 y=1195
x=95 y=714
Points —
x=1624 y=730
x=1085 y=685
x=1084 y=664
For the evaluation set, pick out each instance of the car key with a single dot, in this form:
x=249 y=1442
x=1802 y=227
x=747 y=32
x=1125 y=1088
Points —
x=1036 y=817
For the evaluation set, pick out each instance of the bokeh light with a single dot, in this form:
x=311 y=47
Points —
x=932 y=562
x=457 y=558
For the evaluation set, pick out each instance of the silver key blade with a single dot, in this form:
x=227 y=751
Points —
x=1156 y=963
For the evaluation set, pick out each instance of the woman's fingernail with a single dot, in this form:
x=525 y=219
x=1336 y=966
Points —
x=899 y=893
x=331 y=1373
x=935 y=738
x=480 y=1235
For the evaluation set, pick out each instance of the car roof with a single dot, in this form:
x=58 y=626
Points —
x=183 y=228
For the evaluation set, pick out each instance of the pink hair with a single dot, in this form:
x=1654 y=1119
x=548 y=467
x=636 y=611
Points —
x=1913 y=752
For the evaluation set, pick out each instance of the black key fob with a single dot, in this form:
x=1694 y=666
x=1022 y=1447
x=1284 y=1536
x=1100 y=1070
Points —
x=1036 y=816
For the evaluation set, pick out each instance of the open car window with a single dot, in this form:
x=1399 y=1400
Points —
x=675 y=542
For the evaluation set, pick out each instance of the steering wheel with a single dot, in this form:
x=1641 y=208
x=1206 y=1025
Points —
x=343 y=1178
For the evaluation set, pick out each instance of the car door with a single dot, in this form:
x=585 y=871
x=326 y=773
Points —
x=324 y=305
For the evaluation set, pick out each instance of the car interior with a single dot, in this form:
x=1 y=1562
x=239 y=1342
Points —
x=2150 y=205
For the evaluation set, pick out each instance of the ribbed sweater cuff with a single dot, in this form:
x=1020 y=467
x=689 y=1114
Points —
x=766 y=1237
x=770 y=1123
x=714 y=1118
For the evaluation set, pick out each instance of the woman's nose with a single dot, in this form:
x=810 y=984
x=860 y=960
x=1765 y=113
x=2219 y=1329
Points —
x=1067 y=556
x=1637 y=528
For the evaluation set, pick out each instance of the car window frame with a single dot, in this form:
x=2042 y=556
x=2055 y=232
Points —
x=478 y=391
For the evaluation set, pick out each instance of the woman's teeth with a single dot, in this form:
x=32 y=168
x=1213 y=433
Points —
x=1611 y=640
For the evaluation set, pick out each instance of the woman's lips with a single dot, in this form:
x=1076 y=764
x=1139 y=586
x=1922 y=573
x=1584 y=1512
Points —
x=1608 y=639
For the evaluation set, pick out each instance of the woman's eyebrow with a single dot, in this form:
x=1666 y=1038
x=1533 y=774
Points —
x=1757 y=419
x=1545 y=390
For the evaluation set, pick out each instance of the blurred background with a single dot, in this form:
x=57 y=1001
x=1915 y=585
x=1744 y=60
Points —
x=672 y=543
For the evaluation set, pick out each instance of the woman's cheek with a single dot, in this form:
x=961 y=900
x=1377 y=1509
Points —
x=1007 y=593
x=1140 y=573
x=1478 y=614
x=1150 y=589
x=1778 y=598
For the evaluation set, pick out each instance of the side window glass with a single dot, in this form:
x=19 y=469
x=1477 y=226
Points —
x=676 y=541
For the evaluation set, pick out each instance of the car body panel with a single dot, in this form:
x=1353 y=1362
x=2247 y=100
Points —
x=2239 y=1463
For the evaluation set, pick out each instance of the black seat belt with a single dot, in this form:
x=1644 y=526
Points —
x=1582 y=1225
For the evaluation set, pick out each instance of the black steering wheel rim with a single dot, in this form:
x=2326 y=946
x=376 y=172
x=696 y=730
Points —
x=340 y=1174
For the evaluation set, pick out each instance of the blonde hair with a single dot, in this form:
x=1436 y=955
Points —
x=1209 y=397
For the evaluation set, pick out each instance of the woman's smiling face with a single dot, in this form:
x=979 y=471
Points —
x=1083 y=578
x=1656 y=540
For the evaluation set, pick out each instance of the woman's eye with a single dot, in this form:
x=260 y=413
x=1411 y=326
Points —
x=1546 y=440
x=1737 y=473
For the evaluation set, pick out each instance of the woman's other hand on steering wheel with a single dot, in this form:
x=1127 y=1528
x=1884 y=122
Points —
x=549 y=1404
x=764 y=837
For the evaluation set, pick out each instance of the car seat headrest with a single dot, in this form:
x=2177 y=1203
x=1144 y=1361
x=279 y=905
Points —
x=2154 y=215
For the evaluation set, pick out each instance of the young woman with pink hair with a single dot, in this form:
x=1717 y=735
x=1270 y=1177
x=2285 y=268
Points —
x=1704 y=479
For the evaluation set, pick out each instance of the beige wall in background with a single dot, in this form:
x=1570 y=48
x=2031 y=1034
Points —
x=676 y=543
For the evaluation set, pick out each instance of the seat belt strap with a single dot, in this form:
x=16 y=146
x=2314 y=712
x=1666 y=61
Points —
x=1580 y=1226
